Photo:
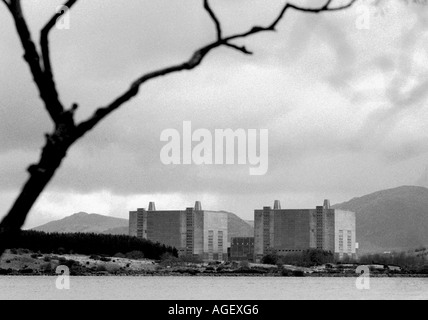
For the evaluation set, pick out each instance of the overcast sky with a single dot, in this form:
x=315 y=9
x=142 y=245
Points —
x=346 y=109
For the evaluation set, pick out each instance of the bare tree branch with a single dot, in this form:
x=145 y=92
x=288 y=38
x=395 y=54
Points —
x=46 y=90
x=243 y=49
x=328 y=4
x=44 y=44
x=197 y=58
x=101 y=113
x=214 y=18
x=272 y=27
x=7 y=4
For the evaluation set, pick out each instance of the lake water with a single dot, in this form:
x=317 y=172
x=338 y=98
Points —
x=212 y=288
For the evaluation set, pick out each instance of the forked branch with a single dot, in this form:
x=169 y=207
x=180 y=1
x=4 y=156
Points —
x=44 y=40
x=199 y=55
x=40 y=70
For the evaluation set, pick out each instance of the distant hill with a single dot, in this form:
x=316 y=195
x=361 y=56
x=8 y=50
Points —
x=395 y=219
x=96 y=223
x=118 y=231
x=238 y=227
x=86 y=223
x=250 y=222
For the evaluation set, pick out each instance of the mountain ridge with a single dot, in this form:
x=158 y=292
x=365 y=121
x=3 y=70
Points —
x=387 y=220
x=83 y=222
x=97 y=223
x=391 y=219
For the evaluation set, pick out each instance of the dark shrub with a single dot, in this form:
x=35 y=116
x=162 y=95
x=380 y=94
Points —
x=307 y=258
x=272 y=259
x=220 y=268
x=192 y=259
x=46 y=267
x=119 y=255
x=286 y=273
x=135 y=255
x=101 y=268
x=191 y=272
x=26 y=271
x=168 y=260
x=71 y=263
x=298 y=273
x=320 y=257
x=104 y=259
x=244 y=265
x=4 y=272
x=250 y=271
x=423 y=270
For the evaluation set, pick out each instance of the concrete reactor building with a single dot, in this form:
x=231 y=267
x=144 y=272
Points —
x=242 y=249
x=283 y=231
x=193 y=232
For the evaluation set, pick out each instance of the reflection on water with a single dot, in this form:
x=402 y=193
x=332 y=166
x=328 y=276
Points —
x=211 y=288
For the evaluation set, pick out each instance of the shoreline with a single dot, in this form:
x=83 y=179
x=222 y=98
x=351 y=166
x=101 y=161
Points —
x=249 y=275
x=40 y=265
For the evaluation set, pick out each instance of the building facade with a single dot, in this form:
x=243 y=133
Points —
x=193 y=232
x=283 y=231
x=242 y=249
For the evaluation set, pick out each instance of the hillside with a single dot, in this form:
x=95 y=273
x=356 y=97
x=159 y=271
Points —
x=86 y=223
x=238 y=227
x=96 y=223
x=395 y=219
x=250 y=222
x=118 y=231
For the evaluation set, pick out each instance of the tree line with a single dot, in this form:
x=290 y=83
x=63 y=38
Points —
x=410 y=260
x=306 y=258
x=90 y=244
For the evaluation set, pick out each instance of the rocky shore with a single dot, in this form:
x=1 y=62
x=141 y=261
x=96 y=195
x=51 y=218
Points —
x=33 y=264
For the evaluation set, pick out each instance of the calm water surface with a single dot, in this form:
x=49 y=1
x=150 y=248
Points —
x=211 y=288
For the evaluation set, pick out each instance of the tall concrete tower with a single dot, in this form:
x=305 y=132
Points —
x=277 y=205
x=198 y=206
x=152 y=206
x=327 y=204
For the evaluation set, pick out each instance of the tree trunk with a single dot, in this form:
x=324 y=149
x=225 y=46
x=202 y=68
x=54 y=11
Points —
x=53 y=153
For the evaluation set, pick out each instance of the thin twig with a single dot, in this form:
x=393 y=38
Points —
x=44 y=37
x=214 y=18
x=196 y=59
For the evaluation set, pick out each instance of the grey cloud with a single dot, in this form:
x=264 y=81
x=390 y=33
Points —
x=111 y=43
